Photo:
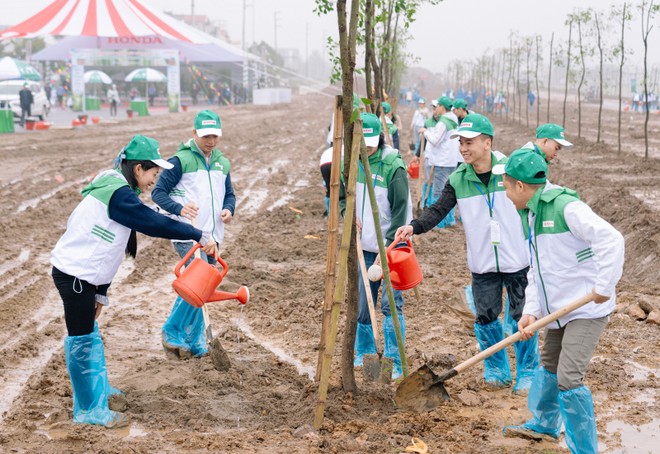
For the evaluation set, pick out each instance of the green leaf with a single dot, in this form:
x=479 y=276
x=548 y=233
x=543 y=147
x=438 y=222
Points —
x=366 y=101
x=354 y=115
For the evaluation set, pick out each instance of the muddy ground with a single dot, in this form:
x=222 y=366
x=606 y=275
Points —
x=277 y=246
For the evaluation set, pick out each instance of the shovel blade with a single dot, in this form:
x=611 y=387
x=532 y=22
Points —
x=371 y=367
x=421 y=391
x=219 y=356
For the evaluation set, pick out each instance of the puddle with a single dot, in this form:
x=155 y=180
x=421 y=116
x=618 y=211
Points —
x=11 y=265
x=280 y=353
x=644 y=438
x=638 y=371
x=649 y=197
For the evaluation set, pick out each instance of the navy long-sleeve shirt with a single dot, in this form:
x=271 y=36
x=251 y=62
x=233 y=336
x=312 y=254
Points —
x=127 y=209
x=171 y=177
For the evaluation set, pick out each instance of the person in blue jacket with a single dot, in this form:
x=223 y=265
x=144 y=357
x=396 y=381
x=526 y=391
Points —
x=198 y=186
x=100 y=231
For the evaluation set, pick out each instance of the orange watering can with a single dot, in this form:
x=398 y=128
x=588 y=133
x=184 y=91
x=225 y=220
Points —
x=198 y=282
x=413 y=169
x=405 y=272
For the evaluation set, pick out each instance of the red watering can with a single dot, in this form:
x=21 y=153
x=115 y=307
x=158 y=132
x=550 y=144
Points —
x=198 y=282
x=413 y=169
x=405 y=272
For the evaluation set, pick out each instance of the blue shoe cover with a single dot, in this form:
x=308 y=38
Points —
x=577 y=409
x=184 y=328
x=391 y=347
x=470 y=300
x=510 y=325
x=327 y=206
x=527 y=362
x=496 y=367
x=543 y=403
x=429 y=200
x=364 y=343
x=85 y=362
x=111 y=391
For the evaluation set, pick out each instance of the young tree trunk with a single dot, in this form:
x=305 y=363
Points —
x=518 y=89
x=568 y=72
x=623 y=58
x=584 y=70
x=528 y=46
x=369 y=46
x=647 y=16
x=347 y=43
x=600 y=74
x=508 y=79
x=552 y=40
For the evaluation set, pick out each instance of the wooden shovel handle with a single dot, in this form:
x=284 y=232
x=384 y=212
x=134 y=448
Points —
x=540 y=323
x=367 y=286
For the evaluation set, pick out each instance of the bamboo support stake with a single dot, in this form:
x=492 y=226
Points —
x=340 y=287
x=333 y=230
x=383 y=258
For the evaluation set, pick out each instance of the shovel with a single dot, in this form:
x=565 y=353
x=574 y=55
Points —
x=375 y=366
x=219 y=356
x=424 y=390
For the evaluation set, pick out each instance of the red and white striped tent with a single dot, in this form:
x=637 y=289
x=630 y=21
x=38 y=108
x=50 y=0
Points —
x=107 y=18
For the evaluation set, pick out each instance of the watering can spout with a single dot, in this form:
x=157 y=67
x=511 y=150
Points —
x=242 y=295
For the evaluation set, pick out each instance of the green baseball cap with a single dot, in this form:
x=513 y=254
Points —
x=459 y=103
x=143 y=148
x=208 y=123
x=554 y=132
x=524 y=165
x=370 y=129
x=421 y=101
x=445 y=102
x=474 y=125
x=386 y=107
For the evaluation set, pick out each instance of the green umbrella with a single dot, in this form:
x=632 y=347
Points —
x=11 y=68
x=97 y=77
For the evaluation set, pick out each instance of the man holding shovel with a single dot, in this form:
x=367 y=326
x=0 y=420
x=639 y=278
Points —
x=197 y=187
x=390 y=182
x=496 y=249
x=573 y=250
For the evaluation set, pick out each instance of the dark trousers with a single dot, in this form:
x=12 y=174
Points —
x=79 y=303
x=113 y=108
x=25 y=112
x=487 y=293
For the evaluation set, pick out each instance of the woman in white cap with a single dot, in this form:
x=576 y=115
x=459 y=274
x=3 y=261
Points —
x=113 y=99
x=100 y=231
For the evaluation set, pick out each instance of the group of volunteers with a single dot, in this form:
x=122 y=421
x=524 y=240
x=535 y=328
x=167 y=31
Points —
x=535 y=239
x=195 y=190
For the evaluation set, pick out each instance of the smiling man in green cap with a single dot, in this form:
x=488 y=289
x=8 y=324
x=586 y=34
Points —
x=573 y=251
x=390 y=182
x=549 y=140
x=496 y=250
x=197 y=187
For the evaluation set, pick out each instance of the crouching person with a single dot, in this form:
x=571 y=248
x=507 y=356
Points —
x=573 y=250
x=99 y=232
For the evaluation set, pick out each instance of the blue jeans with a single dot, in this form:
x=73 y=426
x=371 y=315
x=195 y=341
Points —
x=440 y=177
x=363 y=307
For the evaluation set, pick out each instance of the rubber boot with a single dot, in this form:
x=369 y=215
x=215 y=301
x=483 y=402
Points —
x=527 y=362
x=543 y=403
x=183 y=332
x=110 y=390
x=85 y=362
x=364 y=343
x=577 y=409
x=497 y=373
x=391 y=347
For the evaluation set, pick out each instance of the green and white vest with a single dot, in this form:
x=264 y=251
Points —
x=203 y=185
x=383 y=164
x=479 y=205
x=93 y=246
x=563 y=267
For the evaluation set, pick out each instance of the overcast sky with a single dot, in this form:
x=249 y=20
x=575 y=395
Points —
x=451 y=30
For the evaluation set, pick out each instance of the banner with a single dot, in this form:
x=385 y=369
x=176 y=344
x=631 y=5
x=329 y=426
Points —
x=77 y=83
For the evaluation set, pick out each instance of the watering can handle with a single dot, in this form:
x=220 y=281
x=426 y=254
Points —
x=393 y=245
x=184 y=260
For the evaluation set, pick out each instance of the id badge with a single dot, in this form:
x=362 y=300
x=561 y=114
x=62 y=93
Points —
x=494 y=232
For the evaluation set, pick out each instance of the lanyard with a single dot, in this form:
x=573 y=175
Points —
x=530 y=236
x=489 y=202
